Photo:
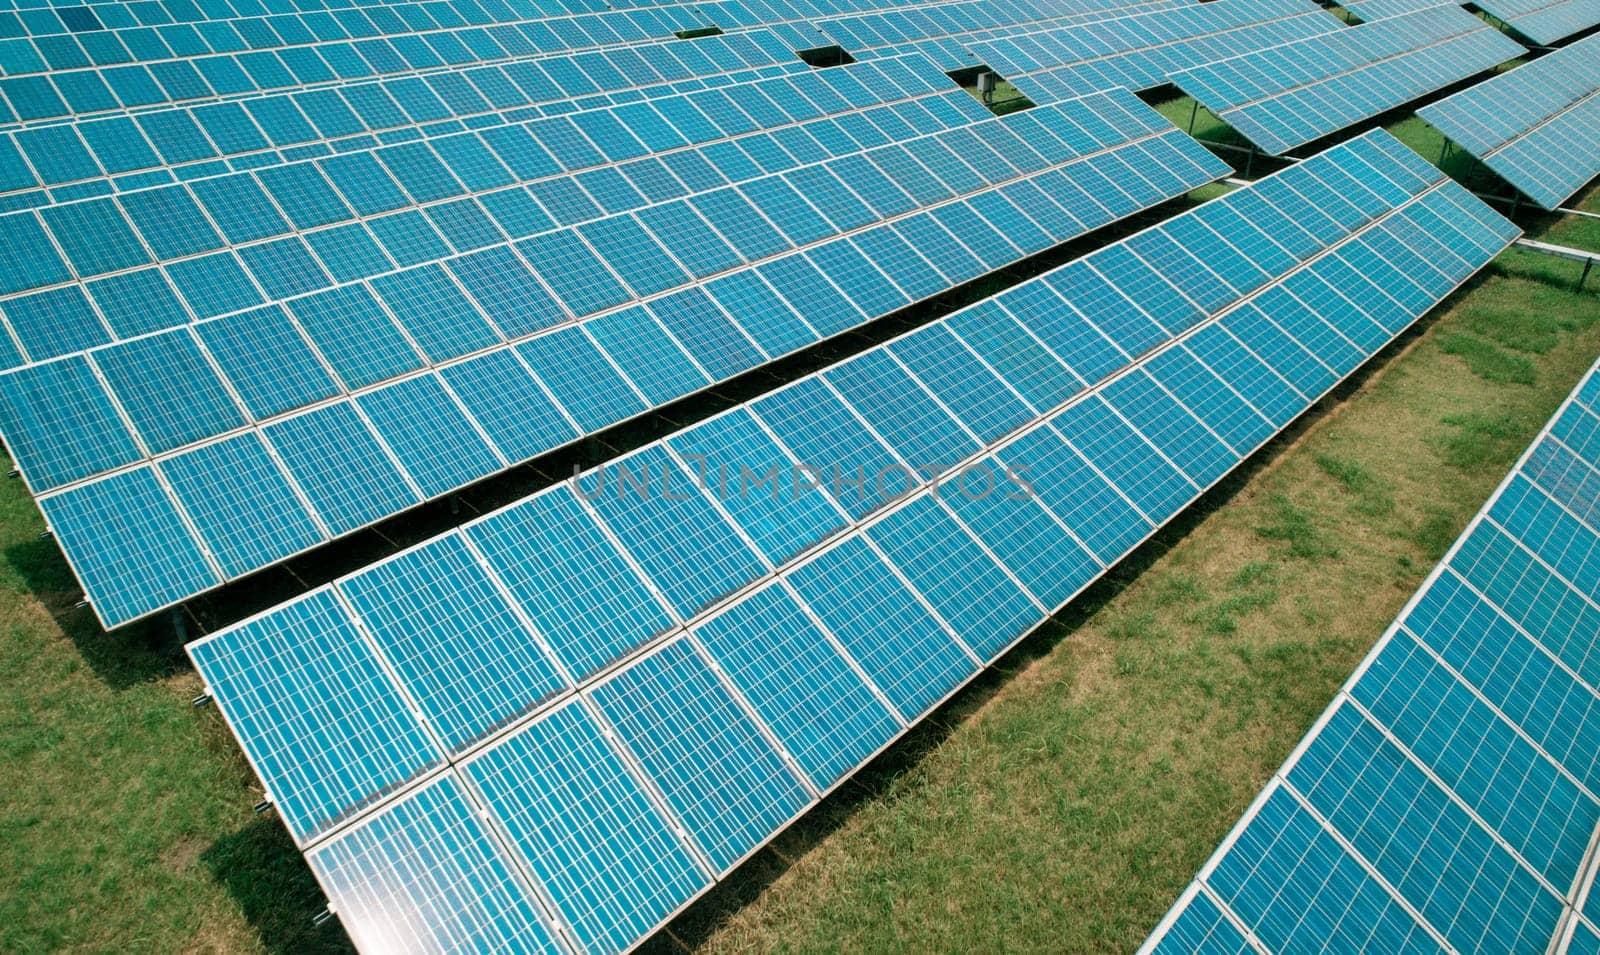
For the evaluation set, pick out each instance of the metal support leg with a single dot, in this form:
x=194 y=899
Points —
x=1250 y=162
x=1194 y=110
x=1584 y=276
x=180 y=625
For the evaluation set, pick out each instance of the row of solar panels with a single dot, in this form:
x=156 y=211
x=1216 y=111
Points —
x=371 y=451
x=1287 y=96
x=149 y=148
x=42 y=95
x=946 y=34
x=236 y=241
x=159 y=146
x=703 y=664
x=116 y=69
x=1545 y=21
x=1142 y=50
x=1537 y=126
x=1449 y=798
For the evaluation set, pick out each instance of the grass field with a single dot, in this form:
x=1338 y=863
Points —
x=1059 y=804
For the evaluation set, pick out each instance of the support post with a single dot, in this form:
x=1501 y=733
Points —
x=1250 y=162
x=1194 y=111
x=180 y=626
x=1584 y=276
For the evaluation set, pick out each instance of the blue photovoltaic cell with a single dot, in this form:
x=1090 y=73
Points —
x=1471 y=891
x=1063 y=482
x=1289 y=907
x=1125 y=458
x=901 y=411
x=469 y=892
x=108 y=525
x=60 y=425
x=962 y=581
x=429 y=434
x=756 y=484
x=170 y=392
x=908 y=654
x=339 y=465
x=1202 y=929
x=581 y=378
x=558 y=564
x=586 y=829
x=336 y=733
x=266 y=360
x=1020 y=532
x=833 y=446
x=662 y=516
x=213 y=481
x=472 y=664
x=503 y=397
x=1287 y=95
x=719 y=775
x=816 y=704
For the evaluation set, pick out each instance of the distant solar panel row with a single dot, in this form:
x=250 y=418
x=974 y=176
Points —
x=148 y=66
x=1290 y=95
x=945 y=32
x=1369 y=10
x=1451 y=792
x=1142 y=51
x=1537 y=126
x=415 y=389
x=636 y=679
x=103 y=154
x=167 y=256
x=1544 y=21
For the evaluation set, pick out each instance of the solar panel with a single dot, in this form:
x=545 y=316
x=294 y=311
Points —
x=131 y=62
x=1537 y=126
x=286 y=229
x=1369 y=10
x=1467 y=738
x=944 y=33
x=789 y=585
x=1142 y=50
x=427 y=357
x=1290 y=95
x=1545 y=22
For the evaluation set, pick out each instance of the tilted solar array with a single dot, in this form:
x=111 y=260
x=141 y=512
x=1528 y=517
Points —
x=1369 y=10
x=944 y=33
x=1543 y=21
x=160 y=255
x=1290 y=95
x=1537 y=126
x=1449 y=797
x=118 y=56
x=1142 y=50
x=568 y=718
x=171 y=463
x=98 y=154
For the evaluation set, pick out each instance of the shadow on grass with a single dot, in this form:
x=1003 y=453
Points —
x=699 y=922
x=263 y=871
x=136 y=654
